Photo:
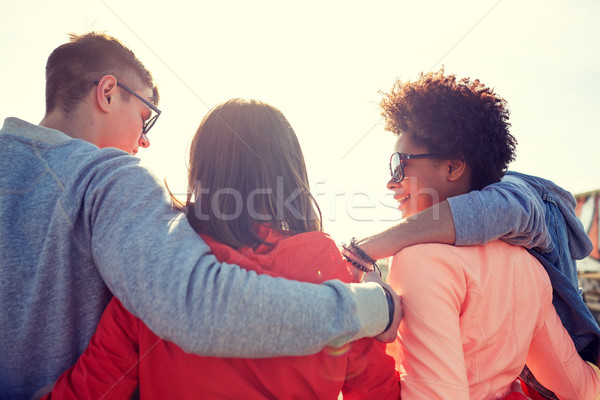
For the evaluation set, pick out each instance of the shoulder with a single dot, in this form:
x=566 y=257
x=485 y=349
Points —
x=427 y=266
x=313 y=256
x=312 y=243
x=430 y=252
x=430 y=278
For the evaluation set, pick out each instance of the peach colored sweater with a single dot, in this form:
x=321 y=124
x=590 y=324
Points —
x=473 y=317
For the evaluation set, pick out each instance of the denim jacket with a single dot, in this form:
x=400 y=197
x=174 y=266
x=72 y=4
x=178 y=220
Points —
x=539 y=215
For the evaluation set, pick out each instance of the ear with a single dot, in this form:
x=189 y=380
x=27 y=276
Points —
x=105 y=90
x=456 y=168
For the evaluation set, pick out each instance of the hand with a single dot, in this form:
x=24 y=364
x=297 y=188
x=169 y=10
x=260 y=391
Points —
x=390 y=334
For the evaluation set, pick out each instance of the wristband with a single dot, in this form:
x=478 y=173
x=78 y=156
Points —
x=391 y=307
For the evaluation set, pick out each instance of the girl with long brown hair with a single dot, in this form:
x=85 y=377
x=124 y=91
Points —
x=249 y=198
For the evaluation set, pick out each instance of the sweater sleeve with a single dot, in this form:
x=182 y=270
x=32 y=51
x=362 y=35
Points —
x=109 y=366
x=163 y=273
x=510 y=210
x=553 y=360
x=432 y=289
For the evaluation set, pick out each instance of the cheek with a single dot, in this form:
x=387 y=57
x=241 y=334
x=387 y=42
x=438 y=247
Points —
x=423 y=195
x=425 y=200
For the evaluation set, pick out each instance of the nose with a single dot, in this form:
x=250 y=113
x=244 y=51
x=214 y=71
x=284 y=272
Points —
x=143 y=141
x=392 y=184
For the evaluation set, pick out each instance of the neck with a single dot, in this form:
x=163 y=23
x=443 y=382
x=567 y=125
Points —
x=75 y=125
x=459 y=188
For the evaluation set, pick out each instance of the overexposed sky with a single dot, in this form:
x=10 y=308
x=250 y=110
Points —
x=322 y=63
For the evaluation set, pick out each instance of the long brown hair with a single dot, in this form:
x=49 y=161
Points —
x=246 y=168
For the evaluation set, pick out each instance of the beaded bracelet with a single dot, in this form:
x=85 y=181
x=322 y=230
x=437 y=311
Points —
x=358 y=265
x=354 y=256
x=361 y=252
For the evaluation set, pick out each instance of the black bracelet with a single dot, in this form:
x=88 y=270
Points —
x=391 y=307
x=357 y=265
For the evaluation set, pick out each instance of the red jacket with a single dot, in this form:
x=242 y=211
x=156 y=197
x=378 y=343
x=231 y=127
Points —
x=124 y=353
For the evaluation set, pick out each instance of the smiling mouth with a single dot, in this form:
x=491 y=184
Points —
x=401 y=199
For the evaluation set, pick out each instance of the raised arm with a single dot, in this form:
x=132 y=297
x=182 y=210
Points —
x=511 y=210
x=433 y=225
x=163 y=273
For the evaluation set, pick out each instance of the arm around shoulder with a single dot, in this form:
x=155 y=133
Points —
x=511 y=210
x=163 y=273
x=433 y=225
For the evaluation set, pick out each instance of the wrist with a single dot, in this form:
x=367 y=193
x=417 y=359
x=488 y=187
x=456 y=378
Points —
x=391 y=308
x=359 y=259
x=372 y=309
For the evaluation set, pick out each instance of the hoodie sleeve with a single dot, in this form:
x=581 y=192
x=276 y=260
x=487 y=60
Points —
x=163 y=273
x=511 y=210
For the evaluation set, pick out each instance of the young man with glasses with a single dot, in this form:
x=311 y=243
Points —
x=79 y=224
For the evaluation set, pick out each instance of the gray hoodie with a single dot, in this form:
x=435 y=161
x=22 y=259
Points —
x=78 y=222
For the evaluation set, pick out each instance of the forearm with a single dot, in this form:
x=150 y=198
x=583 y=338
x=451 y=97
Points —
x=511 y=210
x=433 y=225
x=236 y=313
x=186 y=296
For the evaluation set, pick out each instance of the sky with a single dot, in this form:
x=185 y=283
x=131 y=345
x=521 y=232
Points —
x=324 y=65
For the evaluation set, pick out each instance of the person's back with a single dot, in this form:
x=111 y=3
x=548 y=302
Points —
x=268 y=222
x=79 y=224
x=471 y=322
x=483 y=320
x=308 y=257
x=44 y=177
x=124 y=354
x=51 y=292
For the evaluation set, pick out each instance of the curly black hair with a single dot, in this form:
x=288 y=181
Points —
x=455 y=117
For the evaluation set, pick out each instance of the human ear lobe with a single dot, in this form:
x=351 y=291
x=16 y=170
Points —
x=107 y=85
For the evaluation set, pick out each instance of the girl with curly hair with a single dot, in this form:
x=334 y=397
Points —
x=474 y=315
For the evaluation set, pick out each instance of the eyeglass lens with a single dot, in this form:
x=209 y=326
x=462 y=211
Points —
x=396 y=167
x=149 y=123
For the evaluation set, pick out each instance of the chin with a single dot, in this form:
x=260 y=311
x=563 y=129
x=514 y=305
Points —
x=407 y=215
x=407 y=210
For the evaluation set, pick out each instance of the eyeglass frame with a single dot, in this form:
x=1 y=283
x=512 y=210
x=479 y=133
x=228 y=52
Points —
x=405 y=157
x=149 y=123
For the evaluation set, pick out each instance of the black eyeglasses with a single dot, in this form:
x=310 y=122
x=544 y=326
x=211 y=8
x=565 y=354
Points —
x=397 y=161
x=149 y=123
